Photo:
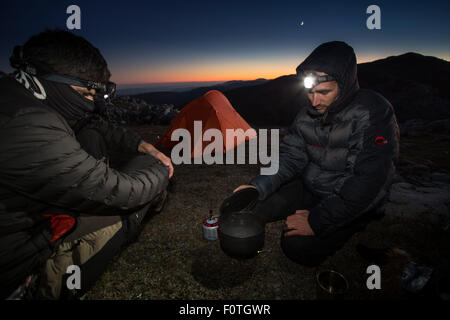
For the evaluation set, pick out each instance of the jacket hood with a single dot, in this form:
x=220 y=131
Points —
x=338 y=60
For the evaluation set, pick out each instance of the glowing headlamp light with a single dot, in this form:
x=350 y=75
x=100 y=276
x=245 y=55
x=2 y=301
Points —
x=311 y=79
x=309 y=82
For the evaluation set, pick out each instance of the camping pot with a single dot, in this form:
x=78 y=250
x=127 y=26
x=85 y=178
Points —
x=241 y=233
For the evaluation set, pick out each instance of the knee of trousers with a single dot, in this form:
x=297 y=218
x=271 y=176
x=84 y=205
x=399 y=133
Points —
x=304 y=250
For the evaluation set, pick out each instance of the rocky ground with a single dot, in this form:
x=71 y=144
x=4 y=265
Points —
x=132 y=110
x=171 y=260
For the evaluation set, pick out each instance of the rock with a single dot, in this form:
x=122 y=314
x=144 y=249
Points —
x=440 y=177
x=440 y=126
x=398 y=178
x=420 y=168
x=412 y=127
x=417 y=127
x=405 y=163
x=131 y=110
x=407 y=145
x=429 y=203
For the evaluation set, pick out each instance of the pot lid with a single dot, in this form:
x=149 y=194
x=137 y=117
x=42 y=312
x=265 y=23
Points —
x=241 y=224
x=242 y=200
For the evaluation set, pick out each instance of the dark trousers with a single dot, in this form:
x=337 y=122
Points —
x=305 y=250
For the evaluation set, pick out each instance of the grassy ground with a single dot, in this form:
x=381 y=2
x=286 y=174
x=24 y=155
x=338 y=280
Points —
x=171 y=260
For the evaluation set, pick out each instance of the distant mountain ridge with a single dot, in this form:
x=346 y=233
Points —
x=413 y=67
x=179 y=99
x=243 y=83
x=416 y=85
x=135 y=89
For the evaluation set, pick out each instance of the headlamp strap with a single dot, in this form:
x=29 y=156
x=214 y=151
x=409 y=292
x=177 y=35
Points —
x=18 y=62
x=63 y=79
x=326 y=78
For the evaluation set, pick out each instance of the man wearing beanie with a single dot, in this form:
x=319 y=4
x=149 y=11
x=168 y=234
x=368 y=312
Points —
x=62 y=206
x=337 y=160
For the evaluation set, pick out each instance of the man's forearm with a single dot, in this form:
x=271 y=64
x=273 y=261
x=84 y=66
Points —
x=145 y=147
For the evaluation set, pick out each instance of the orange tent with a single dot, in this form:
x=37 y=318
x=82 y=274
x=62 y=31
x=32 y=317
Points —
x=214 y=111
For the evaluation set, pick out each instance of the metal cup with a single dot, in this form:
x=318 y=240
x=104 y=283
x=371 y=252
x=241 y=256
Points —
x=331 y=282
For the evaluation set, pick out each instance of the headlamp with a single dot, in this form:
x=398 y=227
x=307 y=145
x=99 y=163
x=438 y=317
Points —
x=104 y=90
x=312 y=79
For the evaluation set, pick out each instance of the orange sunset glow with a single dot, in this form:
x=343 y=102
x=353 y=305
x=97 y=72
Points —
x=208 y=71
x=245 y=69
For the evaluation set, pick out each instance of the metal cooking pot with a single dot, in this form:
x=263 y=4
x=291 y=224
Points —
x=241 y=233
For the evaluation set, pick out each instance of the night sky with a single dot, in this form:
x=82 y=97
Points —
x=170 y=41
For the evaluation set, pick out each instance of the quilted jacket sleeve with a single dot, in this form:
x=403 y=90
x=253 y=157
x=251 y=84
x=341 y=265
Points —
x=292 y=159
x=42 y=158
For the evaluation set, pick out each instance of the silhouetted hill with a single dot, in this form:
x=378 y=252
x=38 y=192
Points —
x=416 y=85
x=410 y=66
x=273 y=103
x=179 y=99
x=241 y=84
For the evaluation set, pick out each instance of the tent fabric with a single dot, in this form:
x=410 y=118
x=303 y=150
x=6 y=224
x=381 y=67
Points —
x=214 y=111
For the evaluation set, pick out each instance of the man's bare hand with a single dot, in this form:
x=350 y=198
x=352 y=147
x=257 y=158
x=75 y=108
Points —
x=298 y=225
x=165 y=161
x=244 y=186
x=149 y=149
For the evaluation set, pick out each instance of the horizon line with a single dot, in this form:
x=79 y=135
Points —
x=447 y=59
x=195 y=81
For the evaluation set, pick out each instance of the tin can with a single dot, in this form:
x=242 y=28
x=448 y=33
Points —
x=210 y=226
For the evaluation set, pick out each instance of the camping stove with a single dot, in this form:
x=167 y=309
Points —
x=210 y=226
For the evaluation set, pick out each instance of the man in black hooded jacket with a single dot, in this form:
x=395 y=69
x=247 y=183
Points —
x=61 y=204
x=336 y=162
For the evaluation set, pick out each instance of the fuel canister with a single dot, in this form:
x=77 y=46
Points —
x=210 y=226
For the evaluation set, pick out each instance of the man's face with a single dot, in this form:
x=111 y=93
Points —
x=324 y=94
x=88 y=94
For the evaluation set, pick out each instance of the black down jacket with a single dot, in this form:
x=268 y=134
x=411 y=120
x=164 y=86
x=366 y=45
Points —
x=43 y=170
x=346 y=156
